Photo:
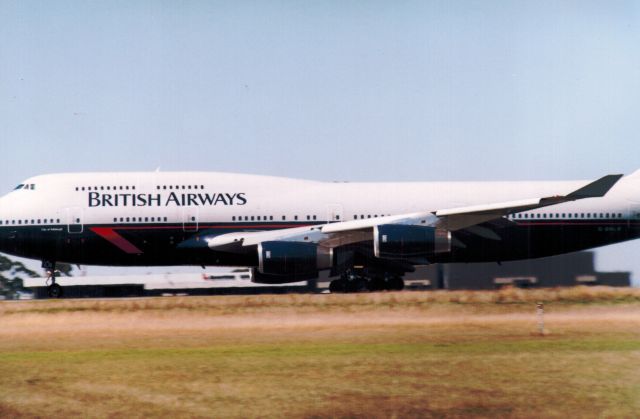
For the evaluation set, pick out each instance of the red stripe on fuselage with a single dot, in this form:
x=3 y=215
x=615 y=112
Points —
x=204 y=226
x=113 y=237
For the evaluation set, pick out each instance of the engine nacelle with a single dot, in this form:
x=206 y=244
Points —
x=396 y=241
x=282 y=261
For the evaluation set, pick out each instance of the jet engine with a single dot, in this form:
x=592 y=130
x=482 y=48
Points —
x=282 y=261
x=396 y=241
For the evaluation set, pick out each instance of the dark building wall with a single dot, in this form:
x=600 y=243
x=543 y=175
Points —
x=614 y=279
x=553 y=271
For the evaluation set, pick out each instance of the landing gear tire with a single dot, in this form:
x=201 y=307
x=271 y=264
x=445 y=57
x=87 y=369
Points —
x=338 y=286
x=357 y=284
x=395 y=284
x=348 y=282
x=376 y=284
x=55 y=290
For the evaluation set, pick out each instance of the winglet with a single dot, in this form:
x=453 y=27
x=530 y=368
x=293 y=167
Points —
x=596 y=189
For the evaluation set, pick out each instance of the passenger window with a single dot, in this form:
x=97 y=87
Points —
x=253 y=218
x=233 y=218
x=165 y=218
x=295 y=217
x=284 y=218
x=314 y=217
x=271 y=218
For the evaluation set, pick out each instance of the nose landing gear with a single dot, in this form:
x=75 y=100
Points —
x=53 y=289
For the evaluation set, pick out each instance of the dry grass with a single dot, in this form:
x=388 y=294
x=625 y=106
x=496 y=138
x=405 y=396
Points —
x=426 y=354
x=312 y=302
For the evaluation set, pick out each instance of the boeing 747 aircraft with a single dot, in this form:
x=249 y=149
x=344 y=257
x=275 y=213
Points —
x=368 y=234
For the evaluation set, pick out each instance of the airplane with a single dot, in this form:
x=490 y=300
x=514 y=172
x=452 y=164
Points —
x=367 y=234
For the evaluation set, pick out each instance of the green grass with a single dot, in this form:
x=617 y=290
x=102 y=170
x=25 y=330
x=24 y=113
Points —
x=525 y=378
x=314 y=360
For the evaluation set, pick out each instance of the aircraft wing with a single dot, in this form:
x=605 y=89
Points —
x=453 y=219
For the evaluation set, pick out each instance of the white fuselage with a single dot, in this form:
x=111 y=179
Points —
x=105 y=198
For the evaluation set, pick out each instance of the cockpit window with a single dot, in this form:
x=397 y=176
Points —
x=31 y=186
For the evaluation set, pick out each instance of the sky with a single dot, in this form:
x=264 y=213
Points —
x=334 y=90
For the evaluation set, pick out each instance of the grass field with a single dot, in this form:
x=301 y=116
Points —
x=411 y=354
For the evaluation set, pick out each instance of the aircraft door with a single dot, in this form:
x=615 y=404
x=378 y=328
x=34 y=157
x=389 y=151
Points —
x=334 y=213
x=190 y=219
x=75 y=223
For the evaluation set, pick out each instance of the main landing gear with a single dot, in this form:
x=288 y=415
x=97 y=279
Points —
x=53 y=288
x=350 y=282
